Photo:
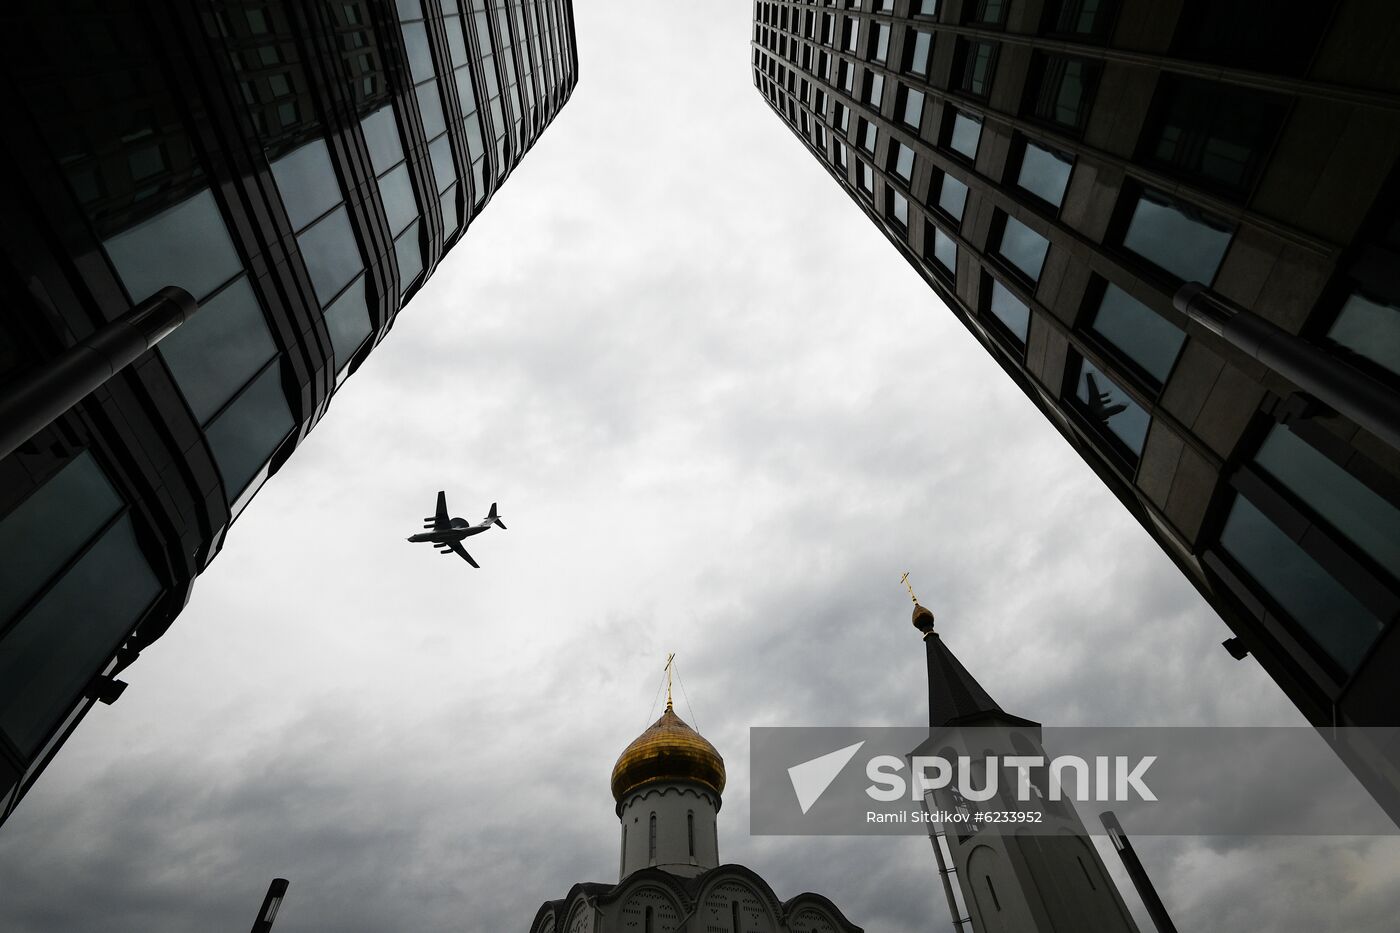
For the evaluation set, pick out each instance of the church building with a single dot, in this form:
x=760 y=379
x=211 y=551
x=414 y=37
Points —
x=668 y=785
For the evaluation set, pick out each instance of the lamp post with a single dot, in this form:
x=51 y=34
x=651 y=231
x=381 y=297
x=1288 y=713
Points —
x=1150 y=898
x=37 y=398
x=268 y=912
x=1312 y=369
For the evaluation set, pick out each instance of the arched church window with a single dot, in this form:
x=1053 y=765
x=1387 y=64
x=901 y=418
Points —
x=651 y=845
x=734 y=909
x=651 y=916
x=1087 y=877
x=690 y=830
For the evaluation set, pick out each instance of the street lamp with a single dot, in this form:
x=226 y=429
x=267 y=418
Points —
x=268 y=912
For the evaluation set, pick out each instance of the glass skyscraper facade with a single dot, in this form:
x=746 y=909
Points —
x=300 y=168
x=1056 y=170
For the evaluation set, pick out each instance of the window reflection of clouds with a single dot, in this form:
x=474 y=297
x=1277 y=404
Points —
x=217 y=351
x=1044 y=174
x=186 y=244
x=1185 y=245
x=1023 y=248
x=1140 y=333
x=331 y=254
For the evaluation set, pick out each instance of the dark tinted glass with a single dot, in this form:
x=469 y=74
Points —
x=1215 y=134
x=1010 y=310
x=1177 y=238
x=50 y=654
x=48 y=528
x=1023 y=248
x=1324 y=609
x=348 y=322
x=1044 y=173
x=1342 y=500
x=1371 y=329
x=307 y=183
x=1064 y=91
x=1099 y=396
x=214 y=353
x=186 y=244
x=244 y=436
x=1138 y=332
x=331 y=254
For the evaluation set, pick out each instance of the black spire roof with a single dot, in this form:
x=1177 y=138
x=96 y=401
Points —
x=954 y=695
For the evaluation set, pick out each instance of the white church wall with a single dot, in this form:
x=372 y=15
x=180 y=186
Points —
x=683 y=813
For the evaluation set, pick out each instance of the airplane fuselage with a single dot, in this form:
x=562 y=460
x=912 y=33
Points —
x=447 y=534
x=451 y=534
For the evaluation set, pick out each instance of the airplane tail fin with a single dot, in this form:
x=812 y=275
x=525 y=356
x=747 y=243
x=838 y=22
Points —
x=492 y=516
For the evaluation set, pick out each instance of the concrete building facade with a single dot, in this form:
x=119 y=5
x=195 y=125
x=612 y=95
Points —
x=1058 y=170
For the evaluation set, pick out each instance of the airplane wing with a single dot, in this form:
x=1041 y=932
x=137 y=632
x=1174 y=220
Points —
x=456 y=546
x=440 y=519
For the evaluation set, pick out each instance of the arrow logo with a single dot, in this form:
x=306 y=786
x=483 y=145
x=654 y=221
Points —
x=811 y=778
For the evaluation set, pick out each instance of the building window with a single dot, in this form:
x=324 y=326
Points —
x=846 y=76
x=916 y=52
x=987 y=12
x=850 y=33
x=926 y=8
x=901 y=161
x=690 y=831
x=873 y=90
x=866 y=179
x=942 y=250
x=1321 y=607
x=952 y=197
x=1008 y=311
x=1023 y=248
x=973 y=65
x=651 y=838
x=1370 y=328
x=1109 y=409
x=879 y=50
x=1176 y=238
x=1044 y=173
x=735 y=919
x=962 y=132
x=867 y=135
x=897 y=208
x=840 y=154
x=1334 y=495
x=1061 y=90
x=1217 y=135
x=1143 y=337
x=841 y=117
x=1084 y=19
x=909 y=106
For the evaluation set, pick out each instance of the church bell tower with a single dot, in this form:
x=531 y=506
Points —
x=1002 y=882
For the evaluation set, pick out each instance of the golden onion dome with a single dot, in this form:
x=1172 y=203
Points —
x=669 y=750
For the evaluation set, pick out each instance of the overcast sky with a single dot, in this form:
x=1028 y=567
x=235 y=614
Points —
x=721 y=416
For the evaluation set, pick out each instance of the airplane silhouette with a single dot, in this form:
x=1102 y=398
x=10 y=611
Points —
x=447 y=534
x=1098 y=401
